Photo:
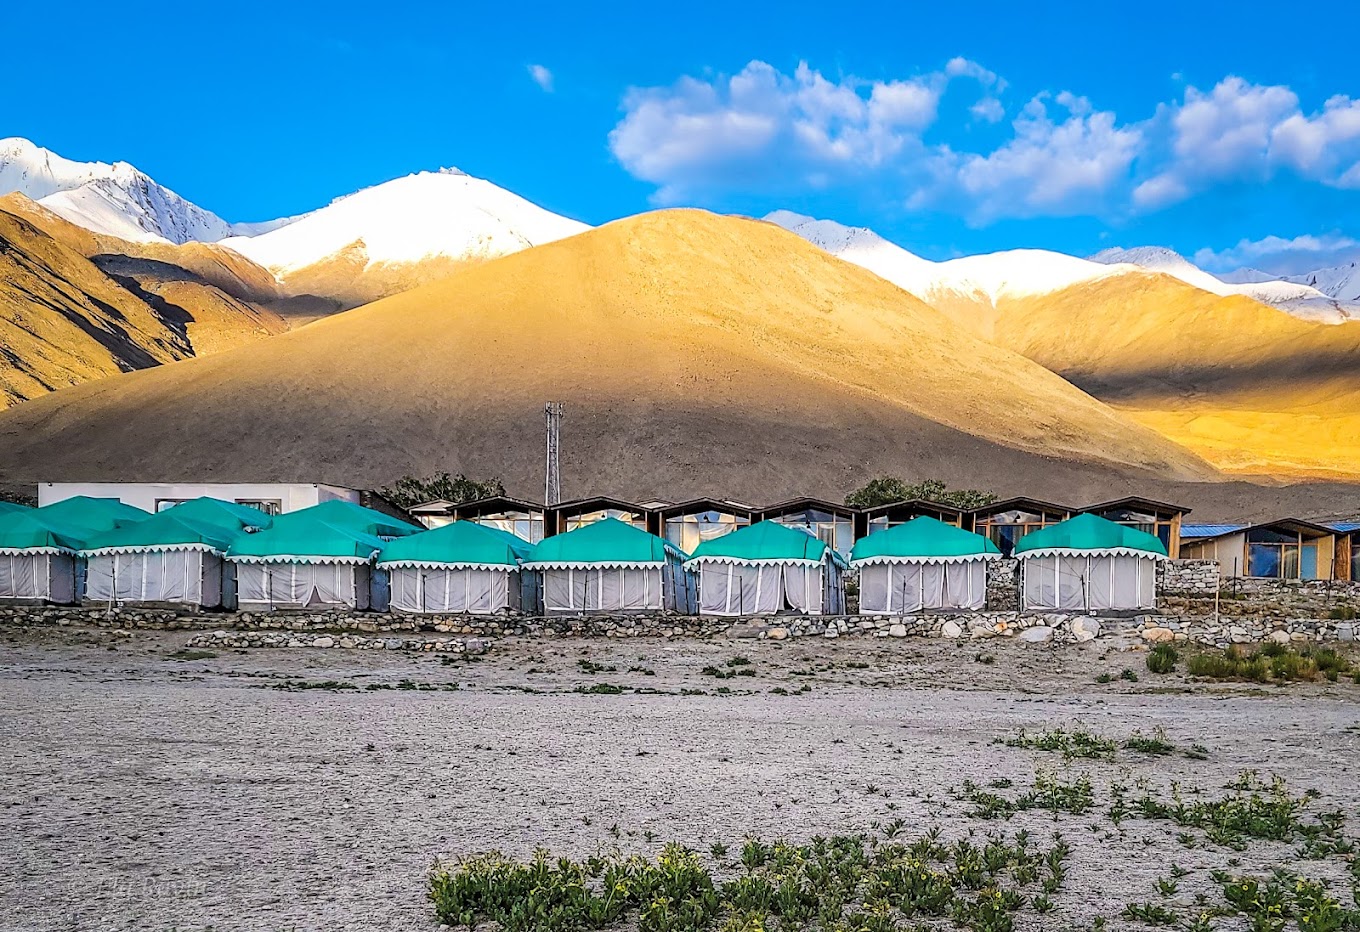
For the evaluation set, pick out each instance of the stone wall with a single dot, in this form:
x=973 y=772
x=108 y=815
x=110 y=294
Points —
x=1270 y=599
x=366 y=630
x=1003 y=585
x=1187 y=577
x=1045 y=628
x=232 y=640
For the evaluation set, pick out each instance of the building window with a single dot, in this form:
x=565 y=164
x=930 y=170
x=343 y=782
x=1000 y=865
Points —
x=1273 y=554
x=1156 y=525
x=689 y=531
x=1007 y=527
x=523 y=524
x=268 y=505
x=627 y=517
x=835 y=531
x=1355 y=558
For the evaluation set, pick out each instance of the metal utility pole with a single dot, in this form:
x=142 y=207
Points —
x=552 y=486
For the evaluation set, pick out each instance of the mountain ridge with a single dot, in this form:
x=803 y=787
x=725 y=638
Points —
x=680 y=342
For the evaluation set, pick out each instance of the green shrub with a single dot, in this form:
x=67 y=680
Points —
x=1162 y=658
x=1271 y=663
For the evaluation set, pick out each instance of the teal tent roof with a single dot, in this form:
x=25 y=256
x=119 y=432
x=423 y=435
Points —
x=7 y=507
x=1089 y=535
x=764 y=542
x=354 y=517
x=300 y=541
x=460 y=543
x=602 y=544
x=165 y=531
x=922 y=540
x=219 y=512
x=93 y=514
x=25 y=531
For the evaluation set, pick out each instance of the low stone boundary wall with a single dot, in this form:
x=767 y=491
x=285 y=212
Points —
x=228 y=640
x=374 y=631
x=1045 y=627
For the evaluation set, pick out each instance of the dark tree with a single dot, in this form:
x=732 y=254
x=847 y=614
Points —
x=410 y=490
x=886 y=489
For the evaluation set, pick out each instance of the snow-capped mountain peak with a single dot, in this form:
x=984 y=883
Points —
x=1012 y=274
x=1341 y=282
x=447 y=213
x=1291 y=296
x=114 y=199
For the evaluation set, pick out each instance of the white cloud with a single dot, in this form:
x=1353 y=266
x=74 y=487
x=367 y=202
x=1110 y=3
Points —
x=763 y=131
x=542 y=77
x=1050 y=168
x=1280 y=256
x=1325 y=145
x=1249 y=131
x=764 y=128
x=988 y=109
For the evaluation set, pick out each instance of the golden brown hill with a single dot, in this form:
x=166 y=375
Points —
x=222 y=268
x=64 y=322
x=350 y=281
x=1251 y=388
x=695 y=353
x=73 y=312
x=219 y=274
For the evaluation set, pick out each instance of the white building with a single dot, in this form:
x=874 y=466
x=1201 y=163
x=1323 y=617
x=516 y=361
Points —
x=275 y=498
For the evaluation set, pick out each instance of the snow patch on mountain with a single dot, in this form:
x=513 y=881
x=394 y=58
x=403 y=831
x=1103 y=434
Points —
x=446 y=213
x=1015 y=273
x=117 y=200
x=1293 y=297
x=1341 y=282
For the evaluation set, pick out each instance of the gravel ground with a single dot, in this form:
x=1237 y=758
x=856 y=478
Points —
x=147 y=791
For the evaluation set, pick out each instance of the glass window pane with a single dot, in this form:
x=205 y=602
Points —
x=1263 y=560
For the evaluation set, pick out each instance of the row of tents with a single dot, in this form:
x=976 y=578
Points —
x=211 y=553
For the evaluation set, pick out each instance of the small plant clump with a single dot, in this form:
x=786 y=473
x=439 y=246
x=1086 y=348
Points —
x=1155 y=744
x=1251 y=808
x=1162 y=658
x=841 y=883
x=1271 y=663
x=601 y=689
x=1070 y=744
x=1049 y=793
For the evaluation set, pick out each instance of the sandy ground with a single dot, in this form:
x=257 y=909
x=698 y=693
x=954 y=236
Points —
x=145 y=792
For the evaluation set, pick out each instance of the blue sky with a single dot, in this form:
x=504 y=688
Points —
x=950 y=129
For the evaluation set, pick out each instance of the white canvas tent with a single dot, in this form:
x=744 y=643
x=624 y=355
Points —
x=1089 y=564
x=294 y=584
x=166 y=559
x=181 y=576
x=609 y=566
x=37 y=576
x=461 y=567
x=922 y=565
x=906 y=587
x=37 y=562
x=765 y=569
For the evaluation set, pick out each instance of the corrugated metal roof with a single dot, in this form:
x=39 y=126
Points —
x=1209 y=530
x=1345 y=527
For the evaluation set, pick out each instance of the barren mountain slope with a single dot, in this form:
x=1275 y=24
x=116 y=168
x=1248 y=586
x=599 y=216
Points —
x=64 y=322
x=1250 y=387
x=399 y=235
x=695 y=354
x=74 y=312
x=225 y=270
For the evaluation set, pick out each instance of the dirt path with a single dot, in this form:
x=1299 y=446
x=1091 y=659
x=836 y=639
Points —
x=151 y=793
